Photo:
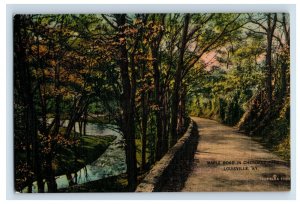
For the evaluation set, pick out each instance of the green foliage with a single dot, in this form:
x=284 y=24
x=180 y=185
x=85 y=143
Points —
x=232 y=90
x=283 y=149
x=276 y=133
x=135 y=71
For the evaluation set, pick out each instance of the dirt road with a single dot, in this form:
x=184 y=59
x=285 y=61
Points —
x=226 y=160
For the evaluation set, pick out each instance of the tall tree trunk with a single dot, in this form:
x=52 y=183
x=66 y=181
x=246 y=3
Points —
x=177 y=83
x=144 y=105
x=284 y=65
x=85 y=115
x=270 y=32
x=144 y=129
x=157 y=89
x=127 y=106
x=24 y=77
x=286 y=29
x=158 y=152
x=283 y=79
x=182 y=109
x=165 y=123
x=52 y=186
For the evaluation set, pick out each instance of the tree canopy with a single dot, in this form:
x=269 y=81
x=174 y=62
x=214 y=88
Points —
x=146 y=73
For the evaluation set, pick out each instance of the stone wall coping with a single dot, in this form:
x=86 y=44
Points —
x=153 y=181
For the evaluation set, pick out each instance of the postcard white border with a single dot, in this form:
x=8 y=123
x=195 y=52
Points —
x=162 y=8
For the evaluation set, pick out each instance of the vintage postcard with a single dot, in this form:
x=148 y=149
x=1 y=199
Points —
x=151 y=102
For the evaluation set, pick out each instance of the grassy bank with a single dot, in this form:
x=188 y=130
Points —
x=88 y=150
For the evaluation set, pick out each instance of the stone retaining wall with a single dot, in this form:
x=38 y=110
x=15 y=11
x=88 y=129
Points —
x=173 y=163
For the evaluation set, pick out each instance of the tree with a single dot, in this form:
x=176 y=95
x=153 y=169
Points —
x=146 y=73
x=25 y=89
x=269 y=29
x=127 y=102
x=178 y=78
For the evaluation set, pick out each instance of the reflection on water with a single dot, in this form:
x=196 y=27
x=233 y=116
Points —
x=110 y=163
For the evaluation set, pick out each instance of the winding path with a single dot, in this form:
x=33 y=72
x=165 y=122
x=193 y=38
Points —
x=226 y=160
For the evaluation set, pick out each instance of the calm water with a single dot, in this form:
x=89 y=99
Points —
x=110 y=163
